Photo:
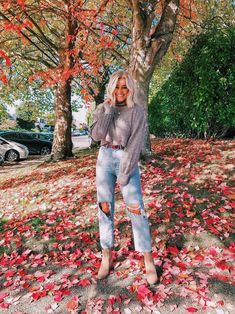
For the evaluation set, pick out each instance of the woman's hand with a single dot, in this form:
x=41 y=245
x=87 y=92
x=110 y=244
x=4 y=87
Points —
x=108 y=102
x=108 y=106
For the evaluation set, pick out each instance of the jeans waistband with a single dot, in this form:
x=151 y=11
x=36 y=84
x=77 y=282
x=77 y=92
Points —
x=108 y=145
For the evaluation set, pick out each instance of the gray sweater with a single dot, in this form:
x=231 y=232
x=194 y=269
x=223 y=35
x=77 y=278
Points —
x=124 y=126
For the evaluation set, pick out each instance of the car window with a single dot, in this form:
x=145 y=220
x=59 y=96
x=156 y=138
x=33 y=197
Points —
x=25 y=136
x=34 y=135
x=45 y=136
x=17 y=136
x=8 y=135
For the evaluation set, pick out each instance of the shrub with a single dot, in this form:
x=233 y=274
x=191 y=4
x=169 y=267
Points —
x=198 y=99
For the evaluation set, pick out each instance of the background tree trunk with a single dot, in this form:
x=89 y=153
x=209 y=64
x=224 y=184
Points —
x=142 y=98
x=150 y=43
x=62 y=143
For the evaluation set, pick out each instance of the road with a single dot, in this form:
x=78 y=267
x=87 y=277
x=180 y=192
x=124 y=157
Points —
x=81 y=141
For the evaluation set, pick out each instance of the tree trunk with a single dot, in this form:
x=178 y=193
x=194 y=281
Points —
x=62 y=144
x=150 y=44
x=142 y=99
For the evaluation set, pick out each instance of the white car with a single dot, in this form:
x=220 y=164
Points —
x=1 y=159
x=13 y=151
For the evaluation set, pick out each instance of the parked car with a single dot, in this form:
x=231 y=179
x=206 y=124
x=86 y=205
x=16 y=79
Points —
x=1 y=159
x=80 y=132
x=12 y=151
x=35 y=145
x=42 y=135
x=48 y=128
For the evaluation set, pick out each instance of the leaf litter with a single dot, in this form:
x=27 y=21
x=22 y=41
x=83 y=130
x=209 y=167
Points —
x=49 y=236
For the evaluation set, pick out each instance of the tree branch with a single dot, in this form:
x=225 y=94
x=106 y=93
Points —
x=41 y=32
x=44 y=42
x=137 y=19
x=31 y=41
x=167 y=21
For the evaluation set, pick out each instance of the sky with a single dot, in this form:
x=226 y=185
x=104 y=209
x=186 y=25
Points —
x=79 y=116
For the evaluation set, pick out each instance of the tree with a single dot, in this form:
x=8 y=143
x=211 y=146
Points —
x=149 y=29
x=153 y=25
x=3 y=113
x=198 y=99
x=47 y=34
x=207 y=14
x=144 y=44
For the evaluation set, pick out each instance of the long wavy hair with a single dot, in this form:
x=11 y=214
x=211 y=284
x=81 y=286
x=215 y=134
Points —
x=113 y=83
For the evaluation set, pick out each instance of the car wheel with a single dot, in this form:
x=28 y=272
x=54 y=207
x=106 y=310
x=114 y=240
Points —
x=12 y=155
x=1 y=159
x=45 y=150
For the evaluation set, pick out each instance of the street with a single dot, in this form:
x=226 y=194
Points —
x=81 y=141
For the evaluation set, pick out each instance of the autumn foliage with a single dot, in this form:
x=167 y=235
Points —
x=95 y=33
x=49 y=235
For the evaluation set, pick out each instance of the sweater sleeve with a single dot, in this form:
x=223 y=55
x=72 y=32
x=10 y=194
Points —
x=134 y=145
x=102 y=118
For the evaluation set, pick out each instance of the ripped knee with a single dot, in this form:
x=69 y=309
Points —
x=134 y=209
x=105 y=207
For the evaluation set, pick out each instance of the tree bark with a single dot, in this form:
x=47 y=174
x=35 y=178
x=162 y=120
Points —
x=150 y=43
x=62 y=143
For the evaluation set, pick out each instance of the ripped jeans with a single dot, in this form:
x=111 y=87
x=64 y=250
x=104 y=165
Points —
x=107 y=168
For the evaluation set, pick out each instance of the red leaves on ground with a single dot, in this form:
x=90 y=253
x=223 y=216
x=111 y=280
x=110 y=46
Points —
x=58 y=220
x=58 y=297
x=4 y=305
x=191 y=309
x=49 y=286
x=84 y=282
x=3 y=295
x=38 y=295
x=72 y=304
x=9 y=273
x=222 y=265
x=173 y=250
x=142 y=292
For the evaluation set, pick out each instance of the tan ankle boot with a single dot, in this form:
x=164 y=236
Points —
x=106 y=264
x=151 y=273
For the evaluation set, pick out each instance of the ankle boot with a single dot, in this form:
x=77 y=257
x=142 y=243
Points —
x=151 y=273
x=106 y=264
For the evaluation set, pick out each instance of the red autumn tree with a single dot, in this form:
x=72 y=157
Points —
x=68 y=36
x=55 y=35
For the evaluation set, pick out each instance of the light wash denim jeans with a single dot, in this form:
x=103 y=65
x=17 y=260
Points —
x=107 y=168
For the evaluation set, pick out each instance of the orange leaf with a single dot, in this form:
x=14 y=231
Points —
x=72 y=304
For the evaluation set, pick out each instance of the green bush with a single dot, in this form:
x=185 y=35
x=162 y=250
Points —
x=198 y=99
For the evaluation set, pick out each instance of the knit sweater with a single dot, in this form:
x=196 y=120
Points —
x=124 y=126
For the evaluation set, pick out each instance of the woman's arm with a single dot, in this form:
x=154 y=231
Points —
x=134 y=145
x=102 y=118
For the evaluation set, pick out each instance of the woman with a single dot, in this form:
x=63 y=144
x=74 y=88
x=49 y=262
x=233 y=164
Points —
x=119 y=124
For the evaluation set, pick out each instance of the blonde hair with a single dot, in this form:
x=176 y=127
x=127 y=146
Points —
x=113 y=83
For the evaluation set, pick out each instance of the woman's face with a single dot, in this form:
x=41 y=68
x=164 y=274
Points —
x=121 y=90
